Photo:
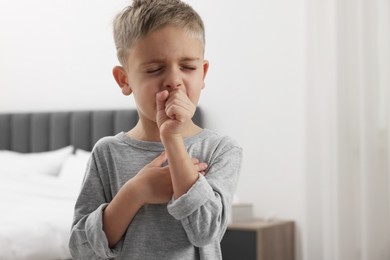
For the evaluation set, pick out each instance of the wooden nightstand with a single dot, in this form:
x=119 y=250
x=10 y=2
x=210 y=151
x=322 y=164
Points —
x=259 y=240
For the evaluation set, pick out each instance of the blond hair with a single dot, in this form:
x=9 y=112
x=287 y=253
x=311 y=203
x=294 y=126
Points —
x=145 y=16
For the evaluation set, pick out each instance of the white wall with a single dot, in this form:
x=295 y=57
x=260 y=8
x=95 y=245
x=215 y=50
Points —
x=58 y=55
x=255 y=92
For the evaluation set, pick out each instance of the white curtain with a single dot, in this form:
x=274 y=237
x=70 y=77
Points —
x=348 y=130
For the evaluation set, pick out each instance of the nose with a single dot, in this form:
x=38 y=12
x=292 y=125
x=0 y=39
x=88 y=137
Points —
x=173 y=80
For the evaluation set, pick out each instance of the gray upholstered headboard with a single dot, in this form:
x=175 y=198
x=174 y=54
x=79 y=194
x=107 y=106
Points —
x=38 y=132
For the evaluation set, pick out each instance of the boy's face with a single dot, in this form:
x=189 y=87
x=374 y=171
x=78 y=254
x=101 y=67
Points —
x=166 y=59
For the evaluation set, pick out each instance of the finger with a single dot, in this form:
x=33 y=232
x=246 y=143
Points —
x=178 y=106
x=201 y=167
x=159 y=160
x=178 y=112
x=161 y=98
x=171 y=111
x=178 y=97
x=195 y=161
x=165 y=169
x=176 y=100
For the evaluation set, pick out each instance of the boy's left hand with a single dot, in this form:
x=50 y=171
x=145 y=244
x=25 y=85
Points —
x=174 y=109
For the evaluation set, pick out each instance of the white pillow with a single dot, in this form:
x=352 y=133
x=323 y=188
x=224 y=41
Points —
x=83 y=153
x=48 y=163
x=73 y=169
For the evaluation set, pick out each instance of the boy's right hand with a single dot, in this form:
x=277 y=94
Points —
x=154 y=180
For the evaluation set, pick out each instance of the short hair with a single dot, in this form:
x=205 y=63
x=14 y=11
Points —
x=145 y=16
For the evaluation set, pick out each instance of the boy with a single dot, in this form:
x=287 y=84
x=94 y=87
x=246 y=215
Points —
x=143 y=195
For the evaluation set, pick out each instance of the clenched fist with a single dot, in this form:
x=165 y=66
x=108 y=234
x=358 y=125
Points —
x=174 y=110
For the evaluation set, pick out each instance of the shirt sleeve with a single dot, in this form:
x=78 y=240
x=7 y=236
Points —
x=87 y=239
x=205 y=209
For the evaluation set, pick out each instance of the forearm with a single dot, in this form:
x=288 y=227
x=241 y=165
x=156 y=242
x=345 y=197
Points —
x=204 y=210
x=118 y=215
x=183 y=172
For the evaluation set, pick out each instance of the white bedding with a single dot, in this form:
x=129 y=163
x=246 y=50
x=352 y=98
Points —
x=37 y=211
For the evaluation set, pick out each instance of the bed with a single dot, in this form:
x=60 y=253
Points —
x=43 y=157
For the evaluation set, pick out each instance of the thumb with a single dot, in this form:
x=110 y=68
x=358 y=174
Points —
x=161 y=98
x=159 y=160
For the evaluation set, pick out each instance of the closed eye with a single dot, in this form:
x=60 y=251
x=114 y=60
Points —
x=189 y=68
x=155 y=70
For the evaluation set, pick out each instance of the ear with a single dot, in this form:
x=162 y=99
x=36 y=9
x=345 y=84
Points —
x=120 y=76
x=205 y=70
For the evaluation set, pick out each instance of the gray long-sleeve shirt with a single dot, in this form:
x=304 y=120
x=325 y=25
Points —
x=190 y=227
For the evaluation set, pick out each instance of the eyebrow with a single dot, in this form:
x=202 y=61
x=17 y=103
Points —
x=184 y=59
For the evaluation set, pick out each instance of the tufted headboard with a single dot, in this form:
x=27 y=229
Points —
x=45 y=131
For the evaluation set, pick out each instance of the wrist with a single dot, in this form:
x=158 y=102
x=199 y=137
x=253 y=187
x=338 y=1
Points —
x=174 y=147
x=170 y=137
x=135 y=189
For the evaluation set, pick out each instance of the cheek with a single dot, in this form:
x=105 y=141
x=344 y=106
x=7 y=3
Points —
x=194 y=93
x=147 y=88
